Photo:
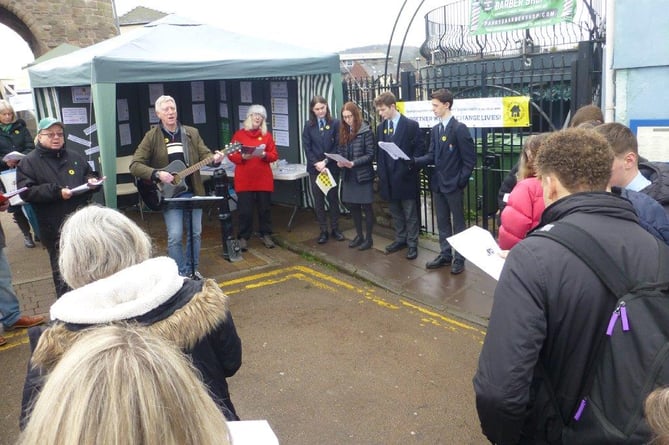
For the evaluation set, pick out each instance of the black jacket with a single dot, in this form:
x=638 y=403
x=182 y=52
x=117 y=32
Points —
x=317 y=142
x=45 y=172
x=18 y=138
x=396 y=180
x=548 y=310
x=453 y=156
x=361 y=151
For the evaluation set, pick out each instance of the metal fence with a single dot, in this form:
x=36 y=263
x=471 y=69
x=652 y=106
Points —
x=549 y=81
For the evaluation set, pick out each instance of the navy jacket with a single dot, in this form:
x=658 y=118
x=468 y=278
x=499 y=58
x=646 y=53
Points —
x=396 y=180
x=317 y=142
x=453 y=156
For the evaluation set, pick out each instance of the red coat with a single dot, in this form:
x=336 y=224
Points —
x=522 y=212
x=255 y=174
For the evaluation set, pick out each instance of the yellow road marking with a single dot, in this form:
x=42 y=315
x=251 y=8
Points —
x=327 y=282
x=14 y=339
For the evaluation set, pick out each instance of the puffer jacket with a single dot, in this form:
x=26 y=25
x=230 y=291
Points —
x=522 y=212
x=361 y=151
x=193 y=314
x=658 y=175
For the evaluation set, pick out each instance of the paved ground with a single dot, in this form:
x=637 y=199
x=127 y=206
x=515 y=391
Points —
x=328 y=357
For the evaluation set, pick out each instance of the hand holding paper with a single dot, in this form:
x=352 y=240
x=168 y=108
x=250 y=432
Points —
x=393 y=150
x=325 y=181
x=90 y=184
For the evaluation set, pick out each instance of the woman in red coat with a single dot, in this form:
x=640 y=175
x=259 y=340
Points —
x=254 y=181
x=526 y=201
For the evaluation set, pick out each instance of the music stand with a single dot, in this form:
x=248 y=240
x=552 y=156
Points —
x=187 y=205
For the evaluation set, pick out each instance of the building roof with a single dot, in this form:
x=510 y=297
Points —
x=140 y=16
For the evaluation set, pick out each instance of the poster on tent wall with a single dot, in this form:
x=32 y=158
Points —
x=489 y=16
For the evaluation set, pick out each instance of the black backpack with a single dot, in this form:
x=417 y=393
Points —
x=632 y=356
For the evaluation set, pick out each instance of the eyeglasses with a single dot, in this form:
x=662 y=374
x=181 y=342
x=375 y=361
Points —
x=53 y=135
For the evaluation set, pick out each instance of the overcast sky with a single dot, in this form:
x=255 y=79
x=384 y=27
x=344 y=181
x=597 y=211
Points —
x=327 y=25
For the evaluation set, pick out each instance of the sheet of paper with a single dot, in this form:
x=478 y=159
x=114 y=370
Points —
x=122 y=110
x=8 y=178
x=252 y=432
x=336 y=157
x=13 y=156
x=478 y=246
x=281 y=137
x=124 y=135
x=254 y=151
x=87 y=186
x=77 y=115
x=393 y=150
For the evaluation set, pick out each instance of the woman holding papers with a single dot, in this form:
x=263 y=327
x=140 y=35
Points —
x=254 y=180
x=50 y=172
x=16 y=139
x=320 y=136
x=356 y=145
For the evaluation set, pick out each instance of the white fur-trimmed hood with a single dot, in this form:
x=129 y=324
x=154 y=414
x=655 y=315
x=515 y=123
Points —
x=128 y=293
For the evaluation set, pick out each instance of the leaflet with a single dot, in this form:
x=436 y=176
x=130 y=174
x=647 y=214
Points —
x=88 y=186
x=478 y=246
x=393 y=150
x=337 y=157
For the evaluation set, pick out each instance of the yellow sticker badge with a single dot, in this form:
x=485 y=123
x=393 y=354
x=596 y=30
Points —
x=167 y=141
x=516 y=111
x=71 y=172
x=443 y=138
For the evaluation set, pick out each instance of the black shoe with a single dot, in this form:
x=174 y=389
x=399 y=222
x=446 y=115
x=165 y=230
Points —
x=395 y=246
x=412 y=253
x=367 y=244
x=28 y=241
x=323 y=238
x=438 y=262
x=458 y=267
x=336 y=234
x=197 y=276
x=355 y=242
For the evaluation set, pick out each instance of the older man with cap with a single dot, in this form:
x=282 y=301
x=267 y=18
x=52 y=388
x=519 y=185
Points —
x=163 y=144
x=50 y=172
x=254 y=181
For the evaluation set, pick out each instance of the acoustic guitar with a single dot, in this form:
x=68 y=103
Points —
x=153 y=194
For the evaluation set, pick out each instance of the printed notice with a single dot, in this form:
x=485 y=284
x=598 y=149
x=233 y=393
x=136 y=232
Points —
x=279 y=122
x=78 y=140
x=245 y=93
x=155 y=91
x=122 y=110
x=279 y=105
x=478 y=246
x=281 y=137
x=124 y=134
x=197 y=91
x=224 y=94
x=278 y=89
x=81 y=95
x=199 y=114
x=75 y=115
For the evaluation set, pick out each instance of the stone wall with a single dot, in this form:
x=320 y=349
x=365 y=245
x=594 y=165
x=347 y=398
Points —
x=45 y=24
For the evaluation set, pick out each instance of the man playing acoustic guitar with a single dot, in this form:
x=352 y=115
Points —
x=163 y=144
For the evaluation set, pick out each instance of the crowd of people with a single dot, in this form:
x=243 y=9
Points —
x=115 y=298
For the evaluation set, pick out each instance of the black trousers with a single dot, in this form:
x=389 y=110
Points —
x=319 y=205
x=50 y=238
x=247 y=202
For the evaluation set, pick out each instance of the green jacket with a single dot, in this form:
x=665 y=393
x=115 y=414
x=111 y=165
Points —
x=151 y=154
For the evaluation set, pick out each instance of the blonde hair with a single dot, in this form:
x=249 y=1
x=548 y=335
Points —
x=526 y=167
x=96 y=242
x=121 y=385
x=656 y=409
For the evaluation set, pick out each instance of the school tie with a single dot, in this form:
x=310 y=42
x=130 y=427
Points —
x=321 y=124
x=389 y=136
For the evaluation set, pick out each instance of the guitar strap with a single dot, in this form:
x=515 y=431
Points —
x=184 y=145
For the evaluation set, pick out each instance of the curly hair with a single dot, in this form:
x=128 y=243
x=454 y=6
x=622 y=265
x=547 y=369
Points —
x=581 y=159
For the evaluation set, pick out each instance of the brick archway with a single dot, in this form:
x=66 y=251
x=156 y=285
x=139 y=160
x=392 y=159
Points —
x=46 y=24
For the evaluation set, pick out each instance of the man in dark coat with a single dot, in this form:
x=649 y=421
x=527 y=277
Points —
x=549 y=307
x=398 y=179
x=453 y=154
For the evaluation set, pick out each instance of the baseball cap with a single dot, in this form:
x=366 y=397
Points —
x=49 y=122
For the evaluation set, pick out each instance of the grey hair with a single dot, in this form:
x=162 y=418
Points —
x=96 y=242
x=131 y=387
x=162 y=99
x=5 y=105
